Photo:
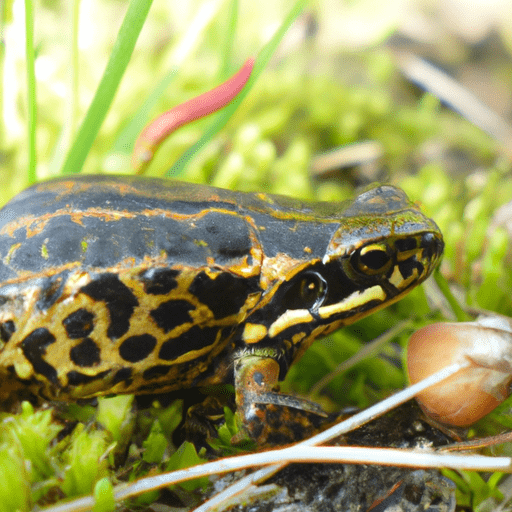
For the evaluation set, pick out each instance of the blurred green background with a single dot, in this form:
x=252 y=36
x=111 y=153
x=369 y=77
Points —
x=347 y=76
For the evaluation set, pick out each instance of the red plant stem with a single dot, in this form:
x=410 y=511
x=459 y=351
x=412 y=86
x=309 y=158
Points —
x=159 y=129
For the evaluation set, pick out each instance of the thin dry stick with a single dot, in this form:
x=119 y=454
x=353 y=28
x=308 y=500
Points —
x=457 y=96
x=363 y=353
x=308 y=452
x=476 y=444
x=341 y=428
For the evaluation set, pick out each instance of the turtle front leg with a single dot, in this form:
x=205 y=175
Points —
x=265 y=415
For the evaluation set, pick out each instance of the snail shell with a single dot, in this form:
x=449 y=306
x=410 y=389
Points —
x=474 y=391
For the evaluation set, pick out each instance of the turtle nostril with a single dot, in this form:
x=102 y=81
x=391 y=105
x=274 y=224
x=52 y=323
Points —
x=427 y=239
x=432 y=245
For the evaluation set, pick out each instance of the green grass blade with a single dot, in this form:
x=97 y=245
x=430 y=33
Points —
x=124 y=142
x=69 y=129
x=227 y=54
x=31 y=90
x=461 y=315
x=121 y=53
x=187 y=44
x=5 y=18
x=75 y=63
x=222 y=118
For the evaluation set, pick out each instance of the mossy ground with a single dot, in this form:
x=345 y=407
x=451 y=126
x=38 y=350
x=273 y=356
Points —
x=311 y=98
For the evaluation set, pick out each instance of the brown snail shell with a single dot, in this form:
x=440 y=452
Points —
x=474 y=391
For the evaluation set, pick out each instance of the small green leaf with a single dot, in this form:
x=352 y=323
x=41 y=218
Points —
x=85 y=461
x=104 y=496
x=115 y=415
x=185 y=457
x=155 y=444
x=14 y=481
x=31 y=433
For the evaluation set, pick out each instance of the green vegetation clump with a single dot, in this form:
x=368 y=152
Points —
x=302 y=104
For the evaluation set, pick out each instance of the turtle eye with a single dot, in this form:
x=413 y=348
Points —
x=373 y=259
x=307 y=291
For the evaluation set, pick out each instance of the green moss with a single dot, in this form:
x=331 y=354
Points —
x=14 y=480
x=184 y=457
x=115 y=415
x=155 y=444
x=294 y=111
x=30 y=434
x=104 y=496
x=85 y=461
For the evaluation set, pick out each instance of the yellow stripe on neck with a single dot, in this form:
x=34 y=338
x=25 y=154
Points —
x=353 y=301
